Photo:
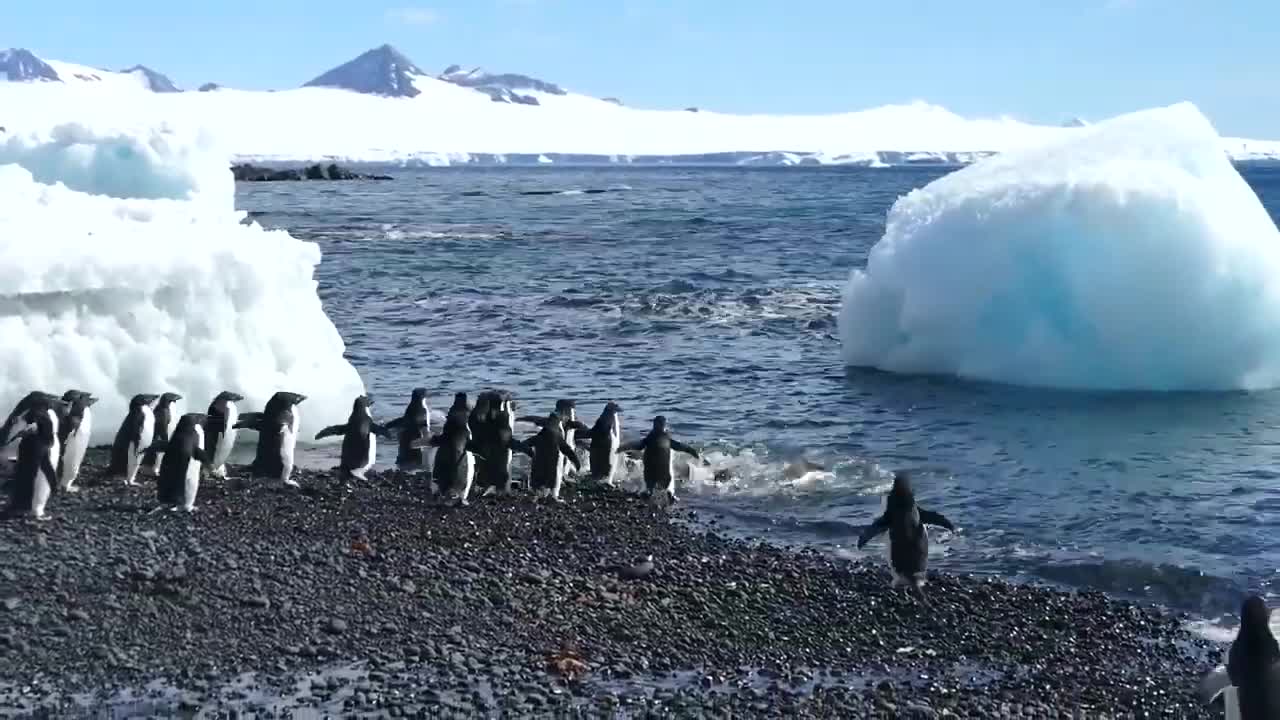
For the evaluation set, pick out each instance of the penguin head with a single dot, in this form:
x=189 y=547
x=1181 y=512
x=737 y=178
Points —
x=361 y=405
x=193 y=419
x=567 y=409
x=901 y=495
x=292 y=398
x=88 y=400
x=419 y=393
x=228 y=396
x=169 y=398
x=612 y=408
x=141 y=399
x=74 y=395
x=660 y=424
x=460 y=401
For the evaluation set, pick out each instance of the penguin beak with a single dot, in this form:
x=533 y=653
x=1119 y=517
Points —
x=89 y=401
x=236 y=397
x=301 y=398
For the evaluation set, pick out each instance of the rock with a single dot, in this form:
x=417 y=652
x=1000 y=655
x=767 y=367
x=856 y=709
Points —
x=253 y=173
x=78 y=614
x=257 y=601
x=335 y=626
x=11 y=603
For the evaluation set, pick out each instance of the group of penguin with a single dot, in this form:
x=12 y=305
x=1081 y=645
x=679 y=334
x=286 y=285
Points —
x=476 y=445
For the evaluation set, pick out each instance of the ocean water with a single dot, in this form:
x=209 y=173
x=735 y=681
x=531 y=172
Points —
x=709 y=296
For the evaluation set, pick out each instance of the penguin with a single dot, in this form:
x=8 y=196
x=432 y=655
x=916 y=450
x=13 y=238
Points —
x=908 y=539
x=32 y=399
x=497 y=447
x=220 y=430
x=461 y=407
x=454 y=468
x=277 y=427
x=133 y=438
x=478 y=418
x=165 y=422
x=75 y=434
x=35 y=473
x=1250 y=683
x=659 y=463
x=413 y=426
x=550 y=449
x=604 y=438
x=567 y=411
x=182 y=455
x=359 y=440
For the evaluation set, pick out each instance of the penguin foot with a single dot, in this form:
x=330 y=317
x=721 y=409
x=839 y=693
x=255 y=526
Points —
x=42 y=517
x=190 y=509
x=292 y=483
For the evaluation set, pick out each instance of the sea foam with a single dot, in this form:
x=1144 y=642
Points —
x=1128 y=255
x=126 y=269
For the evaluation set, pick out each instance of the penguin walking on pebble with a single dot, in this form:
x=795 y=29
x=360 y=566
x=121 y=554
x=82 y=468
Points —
x=165 y=423
x=277 y=427
x=182 y=457
x=359 y=440
x=35 y=398
x=1250 y=683
x=659 y=462
x=497 y=447
x=550 y=451
x=454 y=468
x=411 y=427
x=35 y=472
x=133 y=438
x=905 y=522
x=220 y=431
x=567 y=411
x=603 y=440
x=75 y=432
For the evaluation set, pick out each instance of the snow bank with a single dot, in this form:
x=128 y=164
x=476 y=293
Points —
x=124 y=269
x=1128 y=255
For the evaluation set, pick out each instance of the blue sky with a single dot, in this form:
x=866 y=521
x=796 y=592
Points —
x=1040 y=60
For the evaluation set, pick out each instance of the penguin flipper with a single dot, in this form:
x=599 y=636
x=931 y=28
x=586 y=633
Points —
x=677 y=445
x=880 y=525
x=521 y=446
x=1213 y=684
x=474 y=448
x=202 y=455
x=532 y=419
x=634 y=445
x=579 y=426
x=929 y=517
x=583 y=436
x=249 y=421
x=393 y=424
x=331 y=431
x=569 y=453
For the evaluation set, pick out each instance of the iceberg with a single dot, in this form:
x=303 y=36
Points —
x=1127 y=255
x=127 y=269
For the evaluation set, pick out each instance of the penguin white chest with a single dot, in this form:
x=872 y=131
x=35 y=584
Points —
x=372 y=454
x=228 y=439
x=192 y=485
x=148 y=428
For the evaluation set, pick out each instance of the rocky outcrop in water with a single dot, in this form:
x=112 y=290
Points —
x=375 y=599
x=253 y=173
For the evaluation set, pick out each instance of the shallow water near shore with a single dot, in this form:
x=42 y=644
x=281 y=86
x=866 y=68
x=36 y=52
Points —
x=709 y=295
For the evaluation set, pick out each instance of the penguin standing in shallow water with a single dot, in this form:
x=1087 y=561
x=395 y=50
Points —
x=277 y=427
x=75 y=433
x=1250 y=683
x=359 y=440
x=133 y=438
x=165 y=423
x=35 y=471
x=550 y=450
x=604 y=438
x=659 y=462
x=454 y=468
x=905 y=522
x=413 y=426
x=182 y=457
x=220 y=430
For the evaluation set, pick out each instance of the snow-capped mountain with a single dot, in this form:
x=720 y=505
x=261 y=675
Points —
x=504 y=87
x=18 y=65
x=21 y=65
x=380 y=71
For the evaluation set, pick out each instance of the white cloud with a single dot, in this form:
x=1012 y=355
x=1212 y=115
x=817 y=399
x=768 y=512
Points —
x=414 y=16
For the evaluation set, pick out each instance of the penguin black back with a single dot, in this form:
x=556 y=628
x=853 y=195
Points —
x=412 y=427
x=32 y=400
x=904 y=520
x=1253 y=663
x=34 y=473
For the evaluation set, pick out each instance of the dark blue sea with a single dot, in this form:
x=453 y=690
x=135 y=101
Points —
x=710 y=295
